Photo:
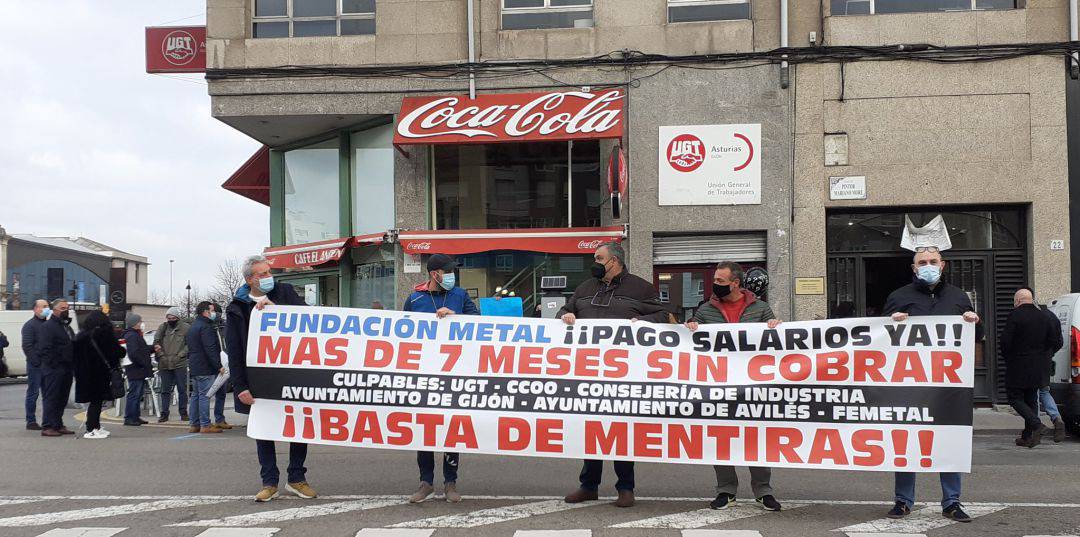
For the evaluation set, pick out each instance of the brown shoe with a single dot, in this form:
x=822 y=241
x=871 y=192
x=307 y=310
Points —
x=266 y=494
x=222 y=425
x=209 y=430
x=50 y=432
x=581 y=495
x=1059 y=431
x=65 y=430
x=301 y=489
x=194 y=429
x=625 y=499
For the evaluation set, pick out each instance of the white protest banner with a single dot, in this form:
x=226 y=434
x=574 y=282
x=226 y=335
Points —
x=858 y=394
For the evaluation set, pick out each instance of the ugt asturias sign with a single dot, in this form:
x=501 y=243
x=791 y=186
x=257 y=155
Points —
x=176 y=49
x=511 y=117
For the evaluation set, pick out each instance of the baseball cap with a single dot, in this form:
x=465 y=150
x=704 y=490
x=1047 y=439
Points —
x=441 y=262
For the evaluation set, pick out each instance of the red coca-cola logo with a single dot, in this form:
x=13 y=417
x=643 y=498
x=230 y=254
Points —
x=686 y=152
x=420 y=246
x=589 y=245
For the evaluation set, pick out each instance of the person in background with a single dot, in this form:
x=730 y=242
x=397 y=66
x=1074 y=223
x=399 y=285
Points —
x=30 y=337
x=204 y=362
x=439 y=295
x=1028 y=341
x=96 y=354
x=54 y=351
x=3 y=364
x=217 y=322
x=172 y=363
x=1046 y=400
x=730 y=303
x=258 y=291
x=141 y=368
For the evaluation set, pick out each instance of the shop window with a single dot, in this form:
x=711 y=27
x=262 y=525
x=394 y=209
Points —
x=312 y=193
x=520 y=272
x=518 y=185
x=537 y=14
x=968 y=230
x=373 y=285
x=308 y=18
x=708 y=10
x=373 y=180
x=868 y=7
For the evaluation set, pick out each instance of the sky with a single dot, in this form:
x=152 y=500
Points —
x=92 y=145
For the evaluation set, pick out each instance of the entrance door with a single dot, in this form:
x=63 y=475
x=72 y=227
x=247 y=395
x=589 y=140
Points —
x=317 y=290
x=683 y=287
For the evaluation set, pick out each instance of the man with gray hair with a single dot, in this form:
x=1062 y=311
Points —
x=30 y=338
x=55 y=354
x=171 y=351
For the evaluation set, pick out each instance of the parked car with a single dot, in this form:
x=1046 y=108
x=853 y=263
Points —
x=1065 y=379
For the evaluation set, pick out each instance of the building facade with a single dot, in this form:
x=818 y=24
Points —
x=806 y=168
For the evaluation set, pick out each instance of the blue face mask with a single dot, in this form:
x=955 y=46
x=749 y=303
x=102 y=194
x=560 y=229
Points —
x=266 y=284
x=930 y=274
x=448 y=281
x=213 y=316
x=45 y=313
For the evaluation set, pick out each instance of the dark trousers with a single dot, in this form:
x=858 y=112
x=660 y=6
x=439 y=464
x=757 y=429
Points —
x=55 y=388
x=93 y=416
x=33 y=390
x=268 y=463
x=592 y=471
x=426 y=461
x=133 y=403
x=1026 y=403
x=174 y=379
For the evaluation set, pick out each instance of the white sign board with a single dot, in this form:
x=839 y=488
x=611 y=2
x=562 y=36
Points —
x=847 y=188
x=411 y=264
x=710 y=165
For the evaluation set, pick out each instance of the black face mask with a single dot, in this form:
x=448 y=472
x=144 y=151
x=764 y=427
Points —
x=598 y=270
x=172 y=323
x=721 y=291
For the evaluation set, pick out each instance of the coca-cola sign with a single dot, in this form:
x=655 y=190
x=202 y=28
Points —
x=419 y=246
x=511 y=117
x=589 y=245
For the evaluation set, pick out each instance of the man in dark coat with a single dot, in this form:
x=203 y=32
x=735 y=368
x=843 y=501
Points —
x=54 y=352
x=1046 y=400
x=1026 y=343
x=204 y=365
x=611 y=293
x=141 y=368
x=30 y=337
x=927 y=294
x=260 y=290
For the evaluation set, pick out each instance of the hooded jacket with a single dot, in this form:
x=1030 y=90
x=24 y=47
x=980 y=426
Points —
x=237 y=317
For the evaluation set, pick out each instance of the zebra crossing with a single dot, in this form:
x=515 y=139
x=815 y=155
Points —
x=390 y=516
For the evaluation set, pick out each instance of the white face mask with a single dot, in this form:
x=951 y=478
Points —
x=142 y=327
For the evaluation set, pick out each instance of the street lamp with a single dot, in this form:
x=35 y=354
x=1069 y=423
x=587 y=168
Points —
x=170 y=281
x=188 y=298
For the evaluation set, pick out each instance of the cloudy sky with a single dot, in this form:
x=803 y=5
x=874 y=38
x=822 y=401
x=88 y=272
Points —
x=92 y=145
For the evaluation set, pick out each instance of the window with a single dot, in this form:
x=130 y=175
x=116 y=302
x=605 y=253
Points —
x=311 y=193
x=373 y=180
x=868 y=7
x=708 y=10
x=373 y=285
x=533 y=14
x=520 y=272
x=307 y=18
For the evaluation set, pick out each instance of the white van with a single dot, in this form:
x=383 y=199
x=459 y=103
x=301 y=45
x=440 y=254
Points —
x=1065 y=380
x=11 y=323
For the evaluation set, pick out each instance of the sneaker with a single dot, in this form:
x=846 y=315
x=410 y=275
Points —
x=451 y=494
x=722 y=501
x=1059 y=431
x=101 y=430
x=33 y=426
x=422 y=493
x=213 y=430
x=768 y=502
x=266 y=494
x=301 y=488
x=900 y=510
x=194 y=429
x=223 y=425
x=956 y=512
x=164 y=418
x=95 y=434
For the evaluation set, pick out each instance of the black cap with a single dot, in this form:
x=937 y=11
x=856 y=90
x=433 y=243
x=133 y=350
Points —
x=441 y=262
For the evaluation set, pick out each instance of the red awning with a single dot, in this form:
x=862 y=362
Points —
x=306 y=255
x=552 y=241
x=371 y=239
x=252 y=179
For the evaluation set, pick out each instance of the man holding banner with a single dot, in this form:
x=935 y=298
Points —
x=928 y=295
x=612 y=293
x=730 y=303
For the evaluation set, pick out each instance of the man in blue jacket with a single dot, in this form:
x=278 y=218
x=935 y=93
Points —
x=54 y=351
x=30 y=337
x=204 y=365
x=441 y=296
x=141 y=368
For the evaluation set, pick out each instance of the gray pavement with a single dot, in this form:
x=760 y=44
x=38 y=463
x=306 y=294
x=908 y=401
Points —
x=208 y=480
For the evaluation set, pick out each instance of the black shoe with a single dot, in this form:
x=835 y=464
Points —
x=900 y=510
x=956 y=512
x=132 y=423
x=33 y=426
x=1059 y=431
x=184 y=417
x=769 y=503
x=722 y=501
x=144 y=422
x=164 y=418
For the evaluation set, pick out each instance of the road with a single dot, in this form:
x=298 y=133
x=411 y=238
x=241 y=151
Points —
x=156 y=480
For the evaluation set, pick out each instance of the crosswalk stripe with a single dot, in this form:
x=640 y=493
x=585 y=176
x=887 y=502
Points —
x=886 y=535
x=17 y=501
x=701 y=517
x=721 y=533
x=82 y=532
x=282 y=515
x=553 y=533
x=393 y=532
x=103 y=511
x=494 y=515
x=239 y=532
x=919 y=521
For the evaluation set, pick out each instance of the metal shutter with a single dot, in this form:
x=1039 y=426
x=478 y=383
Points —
x=714 y=248
x=1010 y=273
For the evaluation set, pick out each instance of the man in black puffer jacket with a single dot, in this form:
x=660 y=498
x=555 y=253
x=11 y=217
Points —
x=54 y=351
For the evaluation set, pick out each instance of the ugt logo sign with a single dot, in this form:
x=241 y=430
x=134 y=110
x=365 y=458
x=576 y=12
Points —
x=686 y=152
x=179 y=47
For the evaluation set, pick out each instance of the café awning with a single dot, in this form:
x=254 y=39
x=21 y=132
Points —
x=252 y=179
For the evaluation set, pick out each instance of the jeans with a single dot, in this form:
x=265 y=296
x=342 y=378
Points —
x=93 y=416
x=55 y=388
x=950 y=488
x=133 y=402
x=1045 y=400
x=1026 y=403
x=268 y=462
x=727 y=481
x=592 y=471
x=173 y=379
x=199 y=409
x=33 y=389
x=219 y=405
x=426 y=461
